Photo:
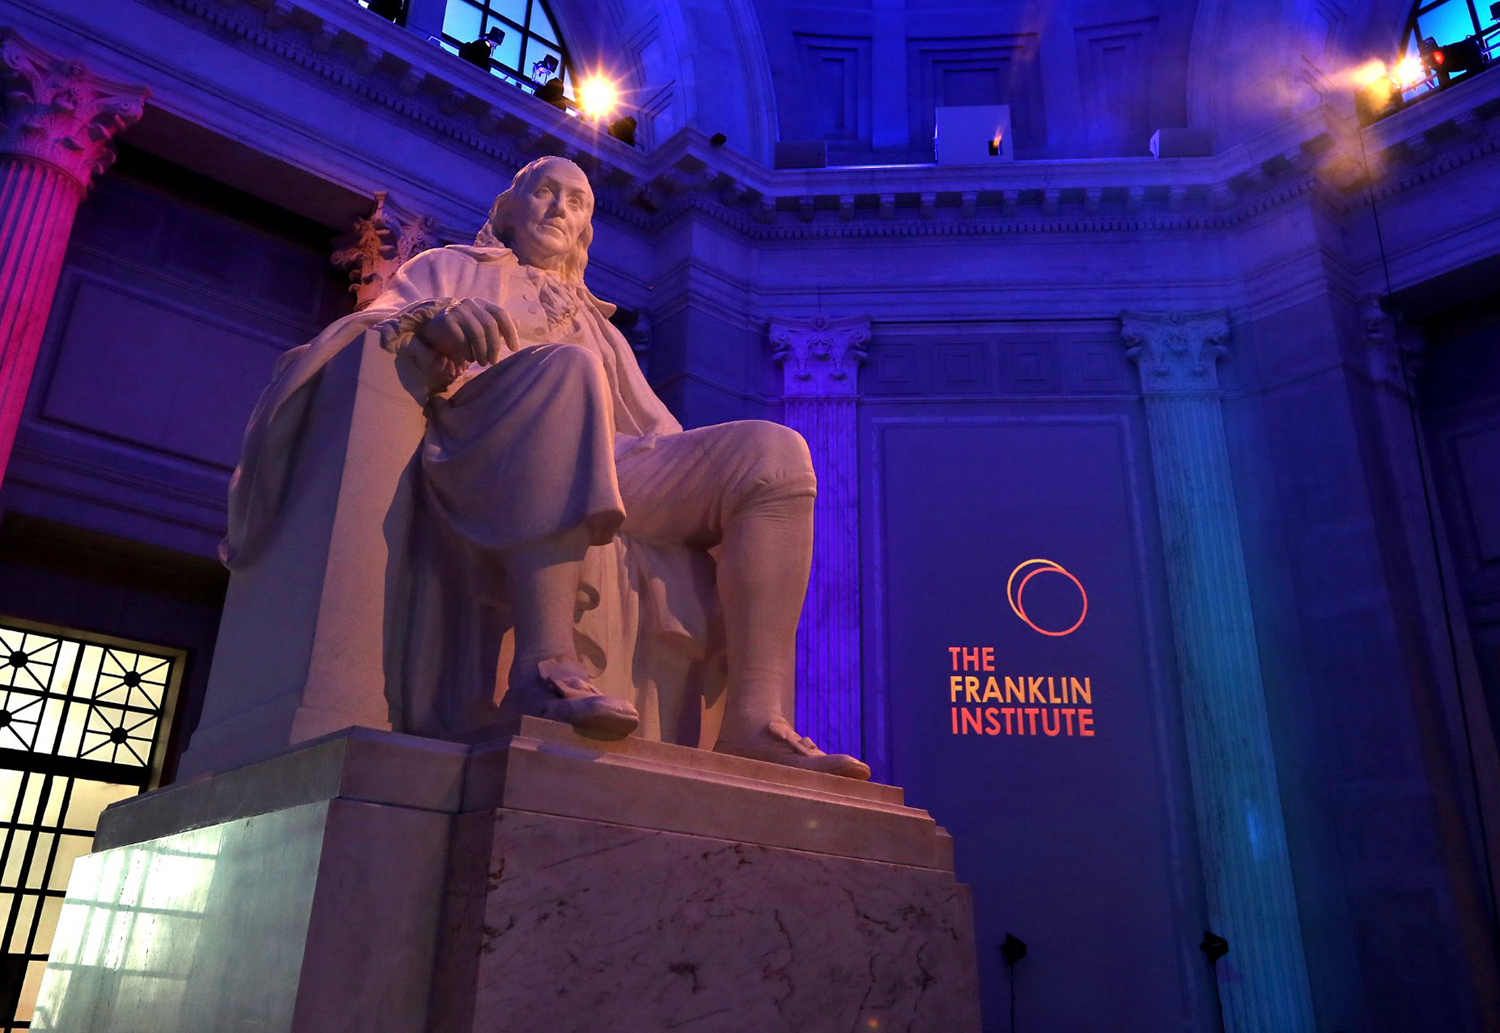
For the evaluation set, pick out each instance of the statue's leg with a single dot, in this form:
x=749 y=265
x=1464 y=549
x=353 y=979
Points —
x=542 y=585
x=519 y=465
x=764 y=560
x=748 y=488
x=546 y=678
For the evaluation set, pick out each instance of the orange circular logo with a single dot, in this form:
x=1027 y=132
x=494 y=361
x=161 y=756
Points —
x=1014 y=591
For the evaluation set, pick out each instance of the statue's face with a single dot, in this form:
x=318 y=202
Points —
x=551 y=214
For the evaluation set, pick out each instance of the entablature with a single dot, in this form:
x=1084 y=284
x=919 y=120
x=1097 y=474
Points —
x=1318 y=152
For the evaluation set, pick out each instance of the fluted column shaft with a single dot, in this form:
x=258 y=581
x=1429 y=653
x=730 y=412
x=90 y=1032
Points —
x=37 y=204
x=1251 y=897
x=56 y=123
x=820 y=361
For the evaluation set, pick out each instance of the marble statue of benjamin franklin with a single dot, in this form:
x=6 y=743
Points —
x=557 y=499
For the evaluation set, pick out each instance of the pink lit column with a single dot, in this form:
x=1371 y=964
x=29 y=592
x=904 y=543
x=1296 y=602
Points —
x=820 y=362
x=56 y=123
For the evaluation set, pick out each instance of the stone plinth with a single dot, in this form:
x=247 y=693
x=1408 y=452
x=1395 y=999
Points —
x=378 y=882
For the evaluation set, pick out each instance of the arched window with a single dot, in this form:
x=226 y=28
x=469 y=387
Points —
x=530 y=44
x=1449 y=21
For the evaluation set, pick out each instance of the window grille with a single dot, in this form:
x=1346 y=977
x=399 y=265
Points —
x=83 y=723
x=531 y=37
x=1447 y=22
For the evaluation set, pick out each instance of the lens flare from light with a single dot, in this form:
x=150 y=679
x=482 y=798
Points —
x=597 y=96
x=1368 y=73
x=1409 y=72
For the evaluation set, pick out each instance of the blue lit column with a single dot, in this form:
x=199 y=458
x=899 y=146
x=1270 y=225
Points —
x=820 y=363
x=1251 y=900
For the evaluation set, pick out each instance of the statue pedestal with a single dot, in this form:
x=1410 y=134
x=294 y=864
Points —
x=379 y=882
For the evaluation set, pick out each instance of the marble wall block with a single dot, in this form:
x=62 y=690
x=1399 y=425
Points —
x=319 y=917
x=571 y=925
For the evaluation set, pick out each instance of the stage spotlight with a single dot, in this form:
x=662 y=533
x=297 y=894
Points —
x=1464 y=58
x=477 y=52
x=597 y=97
x=718 y=140
x=544 y=69
x=551 y=91
x=623 y=129
x=1213 y=945
x=1013 y=949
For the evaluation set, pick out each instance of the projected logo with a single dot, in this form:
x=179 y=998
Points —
x=1015 y=592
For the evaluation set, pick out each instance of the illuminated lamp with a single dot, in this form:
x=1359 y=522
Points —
x=477 y=52
x=623 y=129
x=551 y=91
x=597 y=97
x=1409 y=72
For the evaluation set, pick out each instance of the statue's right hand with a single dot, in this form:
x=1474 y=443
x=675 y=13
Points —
x=472 y=330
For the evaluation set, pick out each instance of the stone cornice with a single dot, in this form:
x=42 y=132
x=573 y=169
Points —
x=1315 y=152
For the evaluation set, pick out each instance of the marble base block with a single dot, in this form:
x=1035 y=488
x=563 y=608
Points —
x=539 y=881
x=555 y=924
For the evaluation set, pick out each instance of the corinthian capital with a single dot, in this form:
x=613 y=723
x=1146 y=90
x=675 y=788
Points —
x=57 y=112
x=379 y=244
x=1177 y=352
x=820 y=357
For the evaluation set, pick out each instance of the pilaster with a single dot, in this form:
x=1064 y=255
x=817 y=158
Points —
x=1250 y=891
x=57 y=120
x=820 y=360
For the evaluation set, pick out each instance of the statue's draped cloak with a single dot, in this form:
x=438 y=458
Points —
x=647 y=619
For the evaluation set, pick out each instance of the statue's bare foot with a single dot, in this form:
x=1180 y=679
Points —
x=561 y=691
x=779 y=743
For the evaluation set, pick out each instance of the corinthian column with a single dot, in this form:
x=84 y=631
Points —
x=820 y=363
x=56 y=123
x=379 y=244
x=1251 y=899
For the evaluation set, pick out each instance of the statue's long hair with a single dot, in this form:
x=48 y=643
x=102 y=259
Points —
x=498 y=228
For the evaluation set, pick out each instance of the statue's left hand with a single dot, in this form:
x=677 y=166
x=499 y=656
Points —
x=471 y=330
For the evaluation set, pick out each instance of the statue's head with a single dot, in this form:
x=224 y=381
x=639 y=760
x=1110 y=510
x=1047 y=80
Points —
x=545 y=216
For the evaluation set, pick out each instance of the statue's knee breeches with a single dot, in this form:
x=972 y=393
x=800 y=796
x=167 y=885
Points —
x=767 y=460
x=691 y=486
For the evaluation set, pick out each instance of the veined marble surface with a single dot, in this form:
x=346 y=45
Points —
x=569 y=925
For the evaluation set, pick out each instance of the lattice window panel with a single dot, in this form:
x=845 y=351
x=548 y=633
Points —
x=83 y=723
